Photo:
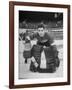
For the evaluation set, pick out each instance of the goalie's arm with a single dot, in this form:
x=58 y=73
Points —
x=31 y=37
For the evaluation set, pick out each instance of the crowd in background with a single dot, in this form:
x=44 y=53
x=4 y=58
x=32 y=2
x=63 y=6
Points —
x=54 y=28
x=33 y=25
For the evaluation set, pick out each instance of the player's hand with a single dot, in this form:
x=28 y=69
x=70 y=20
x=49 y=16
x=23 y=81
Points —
x=34 y=61
x=44 y=46
x=28 y=37
x=36 y=64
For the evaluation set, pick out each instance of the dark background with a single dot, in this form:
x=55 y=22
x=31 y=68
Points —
x=33 y=16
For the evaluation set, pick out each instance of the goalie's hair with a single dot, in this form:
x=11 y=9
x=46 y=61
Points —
x=41 y=26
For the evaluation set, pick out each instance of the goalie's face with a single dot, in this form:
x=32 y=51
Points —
x=41 y=31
